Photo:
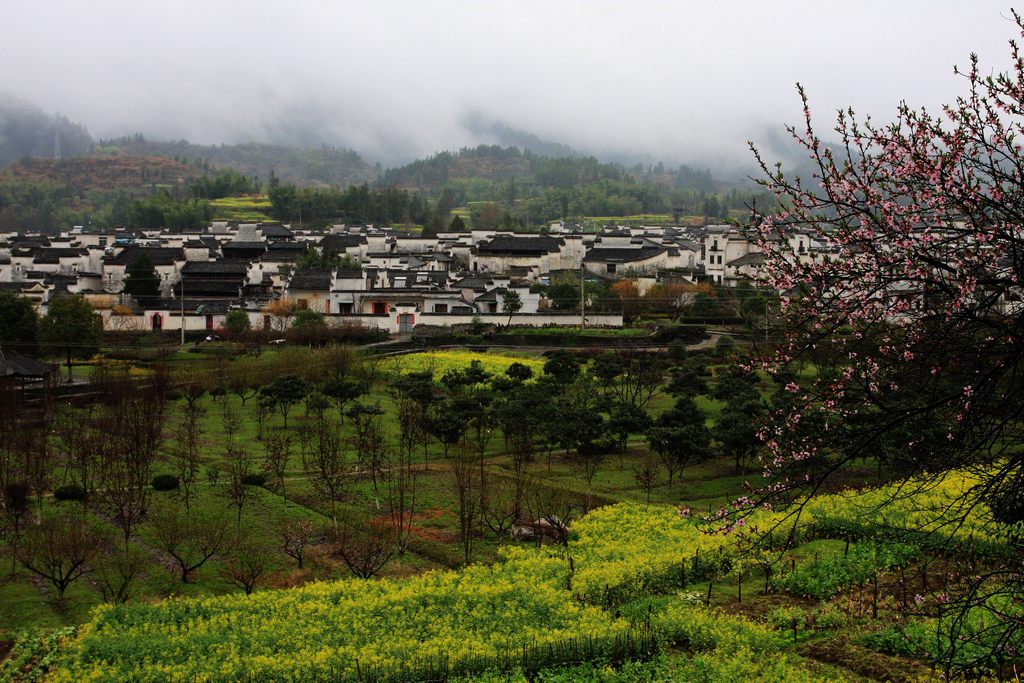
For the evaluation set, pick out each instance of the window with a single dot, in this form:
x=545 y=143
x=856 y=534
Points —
x=440 y=308
x=611 y=268
x=302 y=304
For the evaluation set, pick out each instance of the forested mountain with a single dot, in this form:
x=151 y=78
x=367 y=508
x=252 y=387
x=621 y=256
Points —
x=513 y=187
x=28 y=131
x=138 y=182
x=50 y=195
x=531 y=170
x=324 y=166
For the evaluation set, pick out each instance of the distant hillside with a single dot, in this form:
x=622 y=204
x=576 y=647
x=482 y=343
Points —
x=494 y=163
x=323 y=166
x=534 y=172
x=500 y=133
x=50 y=195
x=101 y=173
x=28 y=131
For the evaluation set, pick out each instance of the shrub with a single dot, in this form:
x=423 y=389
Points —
x=236 y=322
x=827 y=577
x=830 y=617
x=165 y=482
x=254 y=479
x=69 y=492
x=787 y=619
x=911 y=640
x=307 y=318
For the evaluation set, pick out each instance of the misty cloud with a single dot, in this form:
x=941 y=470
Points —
x=683 y=82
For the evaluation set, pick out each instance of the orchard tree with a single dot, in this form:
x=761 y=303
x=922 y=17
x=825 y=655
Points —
x=284 y=392
x=519 y=372
x=680 y=438
x=71 y=329
x=913 y=320
x=59 y=549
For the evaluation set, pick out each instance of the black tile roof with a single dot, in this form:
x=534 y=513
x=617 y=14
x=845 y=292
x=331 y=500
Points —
x=158 y=256
x=622 y=254
x=276 y=231
x=200 y=268
x=15 y=287
x=472 y=283
x=313 y=280
x=281 y=245
x=346 y=274
x=754 y=258
x=209 y=287
x=234 y=244
x=54 y=254
x=508 y=244
x=16 y=366
x=338 y=243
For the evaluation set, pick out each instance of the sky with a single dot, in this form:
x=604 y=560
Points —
x=688 y=81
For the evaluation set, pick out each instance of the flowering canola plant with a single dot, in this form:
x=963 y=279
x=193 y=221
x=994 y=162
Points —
x=332 y=631
x=442 y=361
x=532 y=598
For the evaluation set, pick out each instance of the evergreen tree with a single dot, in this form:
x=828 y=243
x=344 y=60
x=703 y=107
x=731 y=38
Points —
x=19 y=323
x=142 y=281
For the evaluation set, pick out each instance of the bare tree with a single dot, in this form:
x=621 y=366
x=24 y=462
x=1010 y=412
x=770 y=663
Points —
x=551 y=513
x=296 y=535
x=59 y=549
x=16 y=502
x=189 y=538
x=237 y=485
x=239 y=468
x=33 y=448
x=589 y=459
x=365 y=551
x=466 y=481
x=401 y=499
x=647 y=473
x=501 y=505
x=135 y=425
x=262 y=409
x=411 y=427
x=187 y=436
x=369 y=443
x=278 y=448
x=326 y=464
x=247 y=561
x=230 y=420
x=81 y=437
x=115 y=570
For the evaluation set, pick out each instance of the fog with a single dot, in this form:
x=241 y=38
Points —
x=675 y=81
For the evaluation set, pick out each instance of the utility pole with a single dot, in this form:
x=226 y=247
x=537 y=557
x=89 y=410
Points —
x=181 y=281
x=583 y=296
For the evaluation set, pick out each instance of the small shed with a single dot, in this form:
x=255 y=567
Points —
x=17 y=370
